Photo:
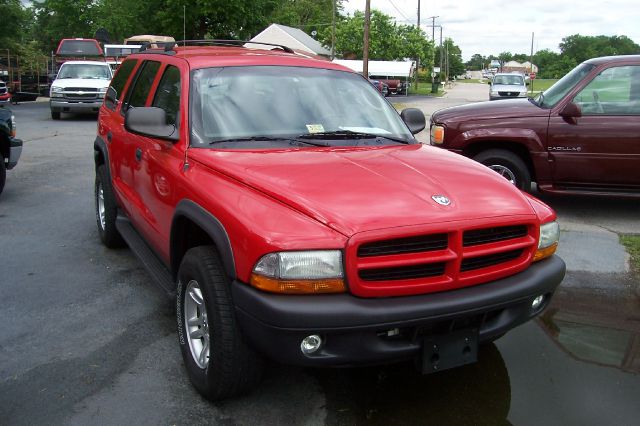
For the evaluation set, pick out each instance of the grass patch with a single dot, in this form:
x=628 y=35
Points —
x=542 y=84
x=425 y=90
x=632 y=244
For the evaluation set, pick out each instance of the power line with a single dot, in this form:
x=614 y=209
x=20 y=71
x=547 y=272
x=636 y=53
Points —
x=399 y=11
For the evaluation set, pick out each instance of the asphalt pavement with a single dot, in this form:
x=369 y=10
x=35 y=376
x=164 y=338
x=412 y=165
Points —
x=87 y=338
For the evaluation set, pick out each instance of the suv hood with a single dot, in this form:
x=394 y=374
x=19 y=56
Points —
x=507 y=108
x=360 y=189
x=81 y=82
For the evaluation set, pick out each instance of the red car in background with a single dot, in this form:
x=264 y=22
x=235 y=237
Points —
x=77 y=49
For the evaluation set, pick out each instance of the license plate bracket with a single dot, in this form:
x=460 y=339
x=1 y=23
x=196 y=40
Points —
x=441 y=352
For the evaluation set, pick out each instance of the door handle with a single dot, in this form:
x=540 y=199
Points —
x=138 y=154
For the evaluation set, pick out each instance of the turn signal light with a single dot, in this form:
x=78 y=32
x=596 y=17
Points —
x=316 y=286
x=545 y=252
x=437 y=134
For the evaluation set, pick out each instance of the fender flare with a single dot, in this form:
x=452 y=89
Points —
x=100 y=148
x=211 y=225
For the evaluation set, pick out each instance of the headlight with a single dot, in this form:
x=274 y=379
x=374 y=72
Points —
x=102 y=90
x=493 y=93
x=548 y=242
x=56 y=89
x=437 y=134
x=300 y=272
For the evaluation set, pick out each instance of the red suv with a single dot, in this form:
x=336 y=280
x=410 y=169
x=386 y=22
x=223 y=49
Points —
x=580 y=136
x=305 y=224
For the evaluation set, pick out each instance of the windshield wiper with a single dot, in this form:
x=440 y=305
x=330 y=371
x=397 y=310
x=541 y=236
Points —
x=350 y=134
x=264 y=139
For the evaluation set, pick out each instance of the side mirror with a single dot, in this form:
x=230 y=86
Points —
x=150 y=121
x=414 y=119
x=489 y=81
x=571 y=110
x=111 y=98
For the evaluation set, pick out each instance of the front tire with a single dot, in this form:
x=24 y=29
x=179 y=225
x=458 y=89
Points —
x=55 y=115
x=508 y=165
x=219 y=362
x=106 y=210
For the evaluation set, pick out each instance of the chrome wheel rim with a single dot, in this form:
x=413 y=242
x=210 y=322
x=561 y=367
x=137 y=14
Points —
x=504 y=172
x=196 y=324
x=100 y=203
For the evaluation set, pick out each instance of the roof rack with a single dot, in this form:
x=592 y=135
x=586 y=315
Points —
x=170 y=45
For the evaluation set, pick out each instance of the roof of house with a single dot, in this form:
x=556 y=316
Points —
x=291 y=37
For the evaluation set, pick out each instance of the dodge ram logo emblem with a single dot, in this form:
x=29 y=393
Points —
x=441 y=199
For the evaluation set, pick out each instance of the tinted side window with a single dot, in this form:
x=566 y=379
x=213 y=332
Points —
x=121 y=77
x=138 y=93
x=612 y=92
x=167 y=96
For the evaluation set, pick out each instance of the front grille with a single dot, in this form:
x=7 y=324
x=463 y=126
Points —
x=490 y=260
x=403 y=272
x=81 y=89
x=417 y=244
x=492 y=235
x=80 y=96
x=439 y=261
x=509 y=94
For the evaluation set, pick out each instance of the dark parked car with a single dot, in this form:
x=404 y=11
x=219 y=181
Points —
x=582 y=135
x=10 y=147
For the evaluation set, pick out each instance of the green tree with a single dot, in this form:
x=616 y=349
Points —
x=580 y=48
x=58 y=19
x=477 y=62
x=388 y=41
x=308 y=15
x=452 y=59
x=504 y=57
x=14 y=18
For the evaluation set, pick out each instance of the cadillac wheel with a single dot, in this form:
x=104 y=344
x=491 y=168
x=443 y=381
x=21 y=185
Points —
x=218 y=360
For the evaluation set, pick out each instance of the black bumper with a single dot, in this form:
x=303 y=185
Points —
x=358 y=331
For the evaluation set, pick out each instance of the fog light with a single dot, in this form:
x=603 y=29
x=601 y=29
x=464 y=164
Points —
x=310 y=344
x=537 y=302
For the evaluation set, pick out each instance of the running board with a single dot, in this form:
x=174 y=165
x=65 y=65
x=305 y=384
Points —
x=139 y=247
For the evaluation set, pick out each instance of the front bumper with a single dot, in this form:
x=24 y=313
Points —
x=63 y=105
x=359 y=331
x=15 y=149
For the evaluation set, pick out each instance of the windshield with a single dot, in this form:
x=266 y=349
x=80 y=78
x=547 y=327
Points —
x=102 y=72
x=509 y=80
x=297 y=103
x=555 y=93
x=79 y=48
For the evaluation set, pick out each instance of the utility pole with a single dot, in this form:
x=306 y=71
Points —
x=433 y=40
x=441 y=48
x=333 y=31
x=365 y=52
x=418 y=58
x=531 y=62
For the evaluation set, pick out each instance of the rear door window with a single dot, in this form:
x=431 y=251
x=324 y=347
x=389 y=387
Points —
x=167 y=95
x=615 y=91
x=139 y=92
x=122 y=75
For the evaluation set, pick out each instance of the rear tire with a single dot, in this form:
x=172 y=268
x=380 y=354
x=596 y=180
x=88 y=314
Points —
x=218 y=360
x=508 y=165
x=55 y=115
x=106 y=210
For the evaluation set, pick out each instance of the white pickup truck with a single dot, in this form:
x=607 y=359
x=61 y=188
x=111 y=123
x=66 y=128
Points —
x=79 y=87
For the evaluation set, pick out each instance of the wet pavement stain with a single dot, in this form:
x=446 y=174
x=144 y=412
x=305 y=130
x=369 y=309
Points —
x=477 y=394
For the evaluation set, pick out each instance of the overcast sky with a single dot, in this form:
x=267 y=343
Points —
x=493 y=26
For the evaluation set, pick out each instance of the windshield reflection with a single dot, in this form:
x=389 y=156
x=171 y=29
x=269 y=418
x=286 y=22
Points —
x=287 y=102
x=555 y=93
